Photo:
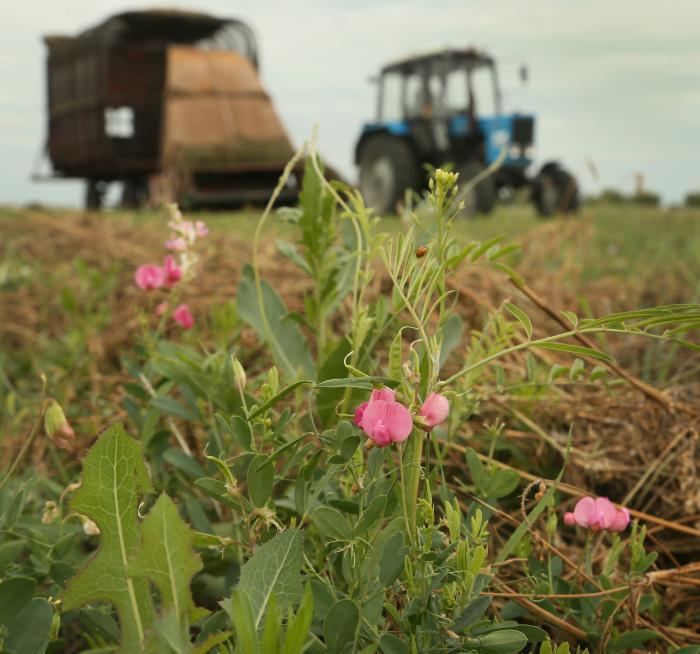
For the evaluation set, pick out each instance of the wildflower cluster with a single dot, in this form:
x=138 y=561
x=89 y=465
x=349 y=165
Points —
x=385 y=420
x=184 y=234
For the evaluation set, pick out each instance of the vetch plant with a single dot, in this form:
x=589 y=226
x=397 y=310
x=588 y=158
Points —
x=270 y=528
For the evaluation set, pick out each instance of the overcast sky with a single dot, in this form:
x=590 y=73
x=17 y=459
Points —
x=615 y=82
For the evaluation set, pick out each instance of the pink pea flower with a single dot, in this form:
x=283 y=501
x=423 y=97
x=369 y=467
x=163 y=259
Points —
x=385 y=394
x=598 y=514
x=384 y=419
x=173 y=272
x=183 y=316
x=176 y=244
x=149 y=276
x=160 y=309
x=435 y=409
x=201 y=228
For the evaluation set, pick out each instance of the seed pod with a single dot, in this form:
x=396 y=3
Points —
x=56 y=425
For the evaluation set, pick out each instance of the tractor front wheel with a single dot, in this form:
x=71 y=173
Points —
x=387 y=169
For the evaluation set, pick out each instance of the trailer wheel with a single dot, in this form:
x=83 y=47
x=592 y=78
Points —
x=387 y=169
x=555 y=191
x=480 y=198
x=134 y=193
x=94 y=194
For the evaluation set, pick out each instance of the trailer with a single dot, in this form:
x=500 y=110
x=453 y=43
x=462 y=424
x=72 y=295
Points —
x=170 y=104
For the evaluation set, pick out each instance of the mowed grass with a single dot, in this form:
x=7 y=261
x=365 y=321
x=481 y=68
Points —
x=625 y=241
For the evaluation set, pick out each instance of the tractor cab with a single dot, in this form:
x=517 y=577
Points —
x=437 y=108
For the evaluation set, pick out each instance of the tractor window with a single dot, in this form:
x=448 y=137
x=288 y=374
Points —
x=416 y=98
x=391 y=108
x=484 y=90
x=457 y=90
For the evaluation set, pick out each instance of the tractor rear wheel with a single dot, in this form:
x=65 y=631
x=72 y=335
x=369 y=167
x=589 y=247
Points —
x=555 y=191
x=480 y=198
x=387 y=169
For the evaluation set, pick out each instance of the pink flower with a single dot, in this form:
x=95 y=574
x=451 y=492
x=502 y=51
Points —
x=176 y=244
x=597 y=514
x=384 y=419
x=201 y=228
x=435 y=409
x=160 y=309
x=173 y=272
x=359 y=412
x=149 y=276
x=183 y=316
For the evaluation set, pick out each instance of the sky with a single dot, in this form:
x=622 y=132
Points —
x=614 y=84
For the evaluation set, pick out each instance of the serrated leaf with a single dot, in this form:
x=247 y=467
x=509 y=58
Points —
x=521 y=316
x=167 y=559
x=274 y=568
x=114 y=479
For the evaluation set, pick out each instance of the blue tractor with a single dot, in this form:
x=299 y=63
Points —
x=446 y=107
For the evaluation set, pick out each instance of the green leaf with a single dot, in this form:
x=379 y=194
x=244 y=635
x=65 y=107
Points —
x=298 y=628
x=451 y=337
x=274 y=568
x=241 y=432
x=166 y=558
x=503 y=641
x=261 y=477
x=521 y=316
x=280 y=396
x=571 y=317
x=502 y=483
x=390 y=644
x=28 y=632
x=174 y=408
x=15 y=594
x=632 y=639
x=472 y=614
x=367 y=383
x=477 y=470
x=185 y=463
x=331 y=523
x=484 y=247
x=574 y=349
x=289 y=348
x=244 y=621
x=114 y=479
x=373 y=512
x=340 y=624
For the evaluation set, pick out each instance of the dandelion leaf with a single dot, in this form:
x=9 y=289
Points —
x=114 y=479
x=166 y=558
x=275 y=568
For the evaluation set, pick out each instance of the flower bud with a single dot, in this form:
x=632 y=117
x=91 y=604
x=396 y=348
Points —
x=89 y=526
x=239 y=377
x=56 y=425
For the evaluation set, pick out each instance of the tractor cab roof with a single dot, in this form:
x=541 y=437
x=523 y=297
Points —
x=448 y=58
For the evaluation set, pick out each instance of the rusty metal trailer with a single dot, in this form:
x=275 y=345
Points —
x=170 y=104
